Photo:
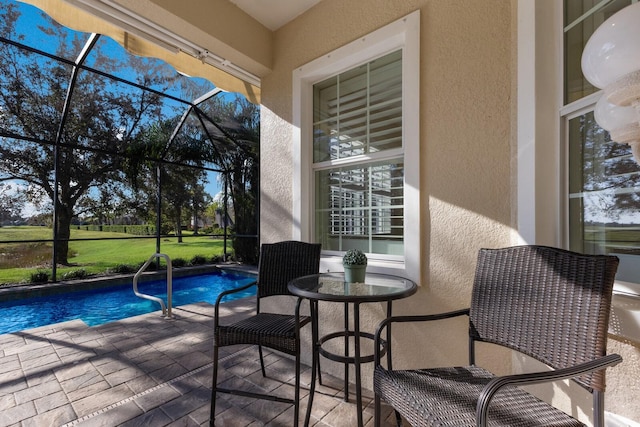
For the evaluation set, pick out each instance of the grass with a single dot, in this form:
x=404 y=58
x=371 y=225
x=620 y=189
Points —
x=19 y=260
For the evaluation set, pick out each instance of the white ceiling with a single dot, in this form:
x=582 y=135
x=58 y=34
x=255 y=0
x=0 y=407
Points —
x=274 y=13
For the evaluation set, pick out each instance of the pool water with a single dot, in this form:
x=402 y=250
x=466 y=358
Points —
x=98 y=306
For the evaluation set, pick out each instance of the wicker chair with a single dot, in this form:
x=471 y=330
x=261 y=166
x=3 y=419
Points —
x=548 y=303
x=279 y=263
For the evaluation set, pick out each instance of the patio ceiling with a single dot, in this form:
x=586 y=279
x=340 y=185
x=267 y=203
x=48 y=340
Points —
x=273 y=14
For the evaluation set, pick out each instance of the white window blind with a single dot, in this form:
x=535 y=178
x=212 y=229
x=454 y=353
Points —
x=358 y=161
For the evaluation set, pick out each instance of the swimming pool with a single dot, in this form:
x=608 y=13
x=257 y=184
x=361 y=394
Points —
x=102 y=305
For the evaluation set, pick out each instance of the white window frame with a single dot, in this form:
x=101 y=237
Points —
x=542 y=150
x=402 y=34
x=567 y=112
x=542 y=175
x=542 y=208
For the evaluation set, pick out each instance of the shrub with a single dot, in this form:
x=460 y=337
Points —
x=198 y=260
x=122 y=269
x=178 y=262
x=39 y=276
x=140 y=230
x=217 y=259
x=75 y=274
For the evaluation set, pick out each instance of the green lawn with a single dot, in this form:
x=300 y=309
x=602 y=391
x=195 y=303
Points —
x=95 y=256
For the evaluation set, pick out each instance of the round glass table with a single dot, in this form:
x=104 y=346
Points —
x=332 y=287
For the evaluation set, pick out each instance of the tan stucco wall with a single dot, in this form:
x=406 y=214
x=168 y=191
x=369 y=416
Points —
x=623 y=381
x=468 y=170
x=465 y=141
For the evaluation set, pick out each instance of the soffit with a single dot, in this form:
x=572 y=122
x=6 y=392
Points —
x=273 y=14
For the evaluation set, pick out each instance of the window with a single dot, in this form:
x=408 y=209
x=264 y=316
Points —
x=357 y=179
x=604 y=180
x=358 y=120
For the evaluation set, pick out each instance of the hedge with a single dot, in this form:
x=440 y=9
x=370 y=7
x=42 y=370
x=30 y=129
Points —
x=138 y=230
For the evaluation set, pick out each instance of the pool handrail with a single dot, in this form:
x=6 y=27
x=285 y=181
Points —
x=166 y=310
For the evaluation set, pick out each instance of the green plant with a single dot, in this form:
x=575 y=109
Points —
x=155 y=265
x=178 y=262
x=121 y=269
x=198 y=260
x=18 y=260
x=216 y=259
x=354 y=257
x=39 y=276
x=75 y=274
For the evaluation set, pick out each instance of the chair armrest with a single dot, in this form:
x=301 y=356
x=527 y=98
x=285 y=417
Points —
x=224 y=294
x=417 y=318
x=536 y=378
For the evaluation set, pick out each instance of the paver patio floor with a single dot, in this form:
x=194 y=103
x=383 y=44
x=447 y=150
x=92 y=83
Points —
x=148 y=371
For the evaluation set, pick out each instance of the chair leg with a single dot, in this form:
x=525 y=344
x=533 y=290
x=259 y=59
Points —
x=296 y=403
x=312 y=386
x=377 y=414
x=264 y=373
x=315 y=334
x=214 y=383
x=598 y=408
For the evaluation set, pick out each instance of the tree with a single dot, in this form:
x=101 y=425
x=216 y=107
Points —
x=236 y=152
x=180 y=188
x=607 y=176
x=78 y=141
x=230 y=140
x=181 y=185
x=11 y=204
x=102 y=117
x=199 y=202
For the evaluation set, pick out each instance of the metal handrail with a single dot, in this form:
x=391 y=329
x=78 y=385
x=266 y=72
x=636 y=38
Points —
x=166 y=310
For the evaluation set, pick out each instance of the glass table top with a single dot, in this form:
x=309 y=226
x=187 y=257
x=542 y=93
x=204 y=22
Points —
x=332 y=287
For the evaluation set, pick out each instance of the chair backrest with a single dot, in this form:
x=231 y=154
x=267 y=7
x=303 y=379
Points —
x=548 y=303
x=283 y=261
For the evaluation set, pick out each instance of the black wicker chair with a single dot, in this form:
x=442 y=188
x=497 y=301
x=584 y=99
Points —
x=279 y=263
x=548 y=303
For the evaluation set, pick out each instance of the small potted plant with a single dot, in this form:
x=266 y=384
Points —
x=355 y=266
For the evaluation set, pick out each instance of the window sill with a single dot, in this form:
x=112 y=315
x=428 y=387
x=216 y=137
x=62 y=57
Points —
x=626 y=288
x=625 y=311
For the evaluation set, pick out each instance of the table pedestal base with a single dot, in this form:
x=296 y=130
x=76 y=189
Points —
x=346 y=359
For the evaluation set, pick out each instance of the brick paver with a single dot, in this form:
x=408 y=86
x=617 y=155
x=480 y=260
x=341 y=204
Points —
x=147 y=370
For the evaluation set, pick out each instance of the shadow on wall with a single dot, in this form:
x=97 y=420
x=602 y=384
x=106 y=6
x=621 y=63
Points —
x=273 y=219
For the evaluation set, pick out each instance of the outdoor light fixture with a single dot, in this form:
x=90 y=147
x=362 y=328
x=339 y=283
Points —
x=611 y=61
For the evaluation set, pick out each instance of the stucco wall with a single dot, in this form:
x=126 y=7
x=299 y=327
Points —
x=465 y=141
x=468 y=170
